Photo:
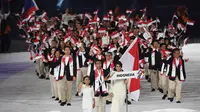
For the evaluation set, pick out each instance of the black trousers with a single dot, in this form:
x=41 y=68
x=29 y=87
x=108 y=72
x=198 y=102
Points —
x=5 y=43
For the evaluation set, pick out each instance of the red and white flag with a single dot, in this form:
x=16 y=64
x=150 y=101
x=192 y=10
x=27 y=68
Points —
x=190 y=22
x=96 y=11
x=129 y=11
x=133 y=65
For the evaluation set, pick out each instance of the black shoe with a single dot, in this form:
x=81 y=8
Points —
x=171 y=99
x=164 y=97
x=152 y=90
x=97 y=94
x=128 y=102
x=62 y=104
x=104 y=94
x=37 y=74
x=68 y=104
x=147 y=77
x=108 y=102
x=178 y=101
x=59 y=101
x=149 y=80
x=47 y=78
x=161 y=90
x=56 y=99
x=42 y=77
x=77 y=94
x=53 y=97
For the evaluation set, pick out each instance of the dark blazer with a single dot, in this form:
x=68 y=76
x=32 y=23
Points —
x=170 y=62
x=53 y=64
x=158 y=62
x=67 y=73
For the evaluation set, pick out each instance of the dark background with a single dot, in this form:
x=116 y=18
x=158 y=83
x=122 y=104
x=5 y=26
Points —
x=163 y=9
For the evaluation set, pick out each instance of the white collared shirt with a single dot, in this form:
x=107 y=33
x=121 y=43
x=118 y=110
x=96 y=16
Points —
x=177 y=62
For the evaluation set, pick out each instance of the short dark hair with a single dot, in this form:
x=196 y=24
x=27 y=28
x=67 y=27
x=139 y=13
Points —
x=57 y=50
x=68 y=47
x=97 y=60
x=54 y=41
x=118 y=63
x=161 y=38
x=162 y=44
x=176 y=49
x=155 y=41
x=109 y=53
x=85 y=77
x=70 y=22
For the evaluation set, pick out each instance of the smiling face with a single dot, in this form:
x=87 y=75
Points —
x=118 y=67
x=57 y=54
x=87 y=80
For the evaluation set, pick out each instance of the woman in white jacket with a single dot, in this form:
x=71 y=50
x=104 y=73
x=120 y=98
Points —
x=118 y=91
x=87 y=91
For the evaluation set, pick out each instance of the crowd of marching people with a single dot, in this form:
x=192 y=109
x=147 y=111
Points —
x=84 y=49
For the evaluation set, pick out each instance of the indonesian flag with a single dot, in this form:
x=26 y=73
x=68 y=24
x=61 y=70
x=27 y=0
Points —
x=190 y=22
x=88 y=15
x=129 y=11
x=96 y=11
x=110 y=12
x=143 y=10
x=132 y=54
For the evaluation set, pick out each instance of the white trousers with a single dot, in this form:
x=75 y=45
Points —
x=52 y=86
x=100 y=104
x=61 y=89
x=175 y=87
x=117 y=102
x=68 y=91
x=164 y=83
x=154 y=79
x=109 y=98
x=39 y=67
x=46 y=71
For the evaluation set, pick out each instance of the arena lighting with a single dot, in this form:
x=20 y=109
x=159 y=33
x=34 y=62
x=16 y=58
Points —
x=173 y=110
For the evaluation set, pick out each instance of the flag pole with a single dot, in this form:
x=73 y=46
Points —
x=126 y=98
